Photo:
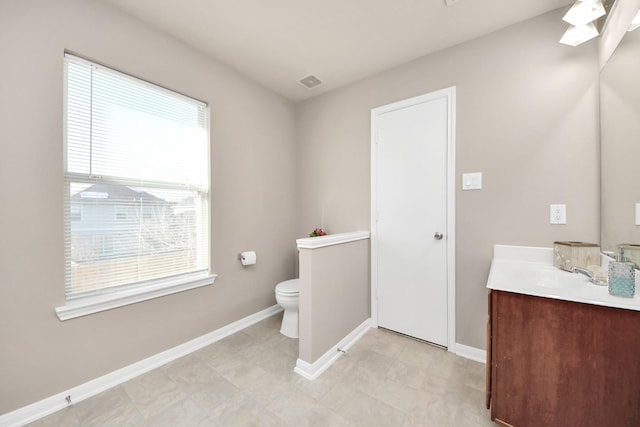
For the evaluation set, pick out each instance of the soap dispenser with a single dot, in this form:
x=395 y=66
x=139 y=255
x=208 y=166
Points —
x=622 y=277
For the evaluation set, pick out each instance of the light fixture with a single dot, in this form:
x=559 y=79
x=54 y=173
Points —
x=582 y=17
x=635 y=23
x=576 y=35
x=584 y=12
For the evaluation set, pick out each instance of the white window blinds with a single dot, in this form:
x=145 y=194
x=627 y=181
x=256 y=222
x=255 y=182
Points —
x=136 y=181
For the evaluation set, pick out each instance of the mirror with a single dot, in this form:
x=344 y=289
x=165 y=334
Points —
x=620 y=145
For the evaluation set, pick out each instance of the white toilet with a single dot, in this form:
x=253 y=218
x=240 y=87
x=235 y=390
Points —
x=288 y=297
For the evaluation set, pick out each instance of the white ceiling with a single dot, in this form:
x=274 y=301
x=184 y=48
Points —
x=277 y=42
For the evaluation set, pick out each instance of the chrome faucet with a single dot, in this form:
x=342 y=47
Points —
x=590 y=274
x=584 y=271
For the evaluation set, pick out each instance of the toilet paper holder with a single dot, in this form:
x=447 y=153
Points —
x=247 y=258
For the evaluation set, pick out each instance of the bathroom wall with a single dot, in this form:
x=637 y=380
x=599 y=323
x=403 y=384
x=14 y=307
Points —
x=618 y=21
x=527 y=118
x=334 y=295
x=252 y=176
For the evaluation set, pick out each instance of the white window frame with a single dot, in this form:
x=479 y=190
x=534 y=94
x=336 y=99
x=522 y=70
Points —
x=109 y=298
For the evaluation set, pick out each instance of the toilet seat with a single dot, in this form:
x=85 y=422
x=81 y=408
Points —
x=288 y=287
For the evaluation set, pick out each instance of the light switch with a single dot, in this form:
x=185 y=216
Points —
x=472 y=181
x=637 y=213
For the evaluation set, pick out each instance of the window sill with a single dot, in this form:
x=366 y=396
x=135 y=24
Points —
x=94 y=304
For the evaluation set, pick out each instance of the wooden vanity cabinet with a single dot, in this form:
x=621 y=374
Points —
x=562 y=363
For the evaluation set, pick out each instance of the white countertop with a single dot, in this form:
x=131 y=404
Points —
x=530 y=271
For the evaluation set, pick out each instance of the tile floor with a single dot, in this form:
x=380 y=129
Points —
x=247 y=379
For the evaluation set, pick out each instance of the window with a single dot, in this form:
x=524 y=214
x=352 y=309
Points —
x=121 y=213
x=136 y=183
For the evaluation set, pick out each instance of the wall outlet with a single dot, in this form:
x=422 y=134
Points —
x=558 y=214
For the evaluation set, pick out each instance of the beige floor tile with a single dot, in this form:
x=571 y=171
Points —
x=286 y=345
x=291 y=404
x=153 y=392
x=271 y=359
x=475 y=418
x=432 y=408
x=362 y=378
x=247 y=379
x=342 y=366
x=410 y=375
x=214 y=394
x=66 y=417
x=386 y=342
x=320 y=416
x=236 y=342
x=126 y=415
x=360 y=408
x=420 y=355
x=445 y=381
x=472 y=400
x=376 y=361
x=241 y=372
x=257 y=382
x=255 y=352
x=449 y=366
x=229 y=364
x=369 y=370
x=317 y=388
x=395 y=394
x=191 y=374
x=366 y=341
x=414 y=421
x=241 y=411
x=212 y=351
x=108 y=407
x=266 y=328
x=475 y=375
x=182 y=413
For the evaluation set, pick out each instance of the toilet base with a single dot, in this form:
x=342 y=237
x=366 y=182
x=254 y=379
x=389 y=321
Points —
x=289 y=326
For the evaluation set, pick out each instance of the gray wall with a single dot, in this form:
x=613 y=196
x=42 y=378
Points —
x=527 y=118
x=252 y=169
x=334 y=295
x=618 y=21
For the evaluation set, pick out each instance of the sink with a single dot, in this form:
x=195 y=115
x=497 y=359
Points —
x=532 y=275
x=552 y=277
x=530 y=271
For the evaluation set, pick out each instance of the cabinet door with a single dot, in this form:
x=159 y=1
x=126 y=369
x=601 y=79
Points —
x=539 y=359
x=617 y=367
x=560 y=363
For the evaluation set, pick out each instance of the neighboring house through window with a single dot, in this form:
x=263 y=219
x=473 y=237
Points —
x=136 y=183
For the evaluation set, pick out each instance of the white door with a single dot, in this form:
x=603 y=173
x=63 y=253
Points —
x=410 y=214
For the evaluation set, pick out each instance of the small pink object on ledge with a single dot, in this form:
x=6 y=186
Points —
x=317 y=232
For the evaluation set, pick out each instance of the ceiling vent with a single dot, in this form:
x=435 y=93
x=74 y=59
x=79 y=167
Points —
x=310 y=81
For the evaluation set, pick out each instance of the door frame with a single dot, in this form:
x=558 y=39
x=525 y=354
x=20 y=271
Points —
x=450 y=95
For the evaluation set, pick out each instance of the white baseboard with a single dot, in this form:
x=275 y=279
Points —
x=471 y=353
x=311 y=371
x=35 y=411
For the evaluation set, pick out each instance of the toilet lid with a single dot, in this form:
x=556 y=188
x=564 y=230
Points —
x=288 y=287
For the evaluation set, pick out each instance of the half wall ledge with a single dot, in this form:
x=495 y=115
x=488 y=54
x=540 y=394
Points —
x=334 y=308
x=331 y=239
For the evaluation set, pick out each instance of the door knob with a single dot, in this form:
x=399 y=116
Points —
x=438 y=236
